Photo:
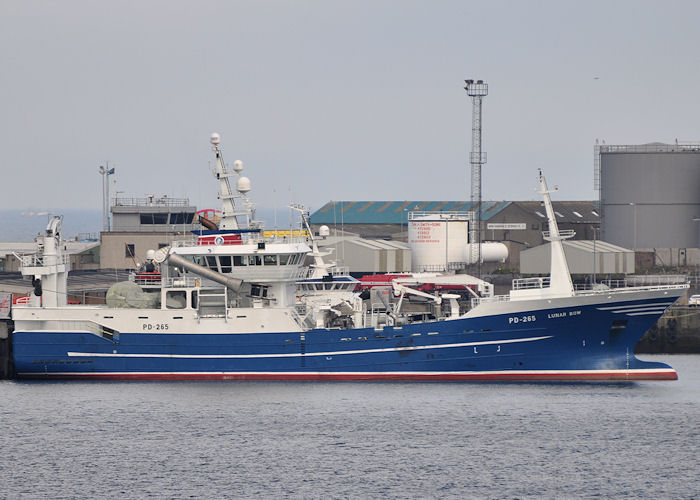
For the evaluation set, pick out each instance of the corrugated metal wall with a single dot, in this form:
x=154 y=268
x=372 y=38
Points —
x=660 y=191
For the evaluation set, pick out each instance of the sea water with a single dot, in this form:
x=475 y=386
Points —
x=352 y=440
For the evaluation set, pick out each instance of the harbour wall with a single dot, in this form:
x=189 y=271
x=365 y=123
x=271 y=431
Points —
x=676 y=332
x=5 y=349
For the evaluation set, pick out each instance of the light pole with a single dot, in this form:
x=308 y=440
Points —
x=105 y=172
x=634 y=207
x=594 y=256
x=404 y=216
x=697 y=278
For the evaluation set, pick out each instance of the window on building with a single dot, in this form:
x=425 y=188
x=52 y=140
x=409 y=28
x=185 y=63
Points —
x=595 y=213
x=578 y=214
x=151 y=218
x=559 y=214
x=162 y=245
x=129 y=250
x=181 y=218
x=540 y=214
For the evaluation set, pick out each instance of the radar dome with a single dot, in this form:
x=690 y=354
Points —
x=215 y=138
x=150 y=254
x=238 y=165
x=324 y=231
x=243 y=185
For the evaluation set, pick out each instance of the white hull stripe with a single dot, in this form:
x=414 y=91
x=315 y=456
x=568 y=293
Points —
x=621 y=308
x=643 y=313
x=388 y=373
x=298 y=354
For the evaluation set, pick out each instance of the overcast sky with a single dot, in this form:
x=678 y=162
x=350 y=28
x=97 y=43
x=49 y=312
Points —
x=355 y=100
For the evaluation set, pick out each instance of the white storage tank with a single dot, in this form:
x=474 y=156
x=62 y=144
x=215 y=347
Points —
x=437 y=239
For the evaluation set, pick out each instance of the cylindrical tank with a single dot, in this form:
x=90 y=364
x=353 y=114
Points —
x=491 y=251
x=649 y=195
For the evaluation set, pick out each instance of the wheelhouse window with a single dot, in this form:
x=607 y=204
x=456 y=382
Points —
x=211 y=262
x=239 y=260
x=258 y=291
x=225 y=261
x=270 y=260
x=284 y=259
x=254 y=260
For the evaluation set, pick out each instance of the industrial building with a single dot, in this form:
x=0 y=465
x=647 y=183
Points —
x=363 y=256
x=516 y=224
x=650 y=198
x=584 y=257
x=142 y=224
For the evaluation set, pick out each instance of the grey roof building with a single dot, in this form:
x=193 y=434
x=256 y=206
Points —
x=582 y=256
x=518 y=224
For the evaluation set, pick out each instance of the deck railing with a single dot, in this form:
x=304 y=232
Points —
x=531 y=283
x=39 y=260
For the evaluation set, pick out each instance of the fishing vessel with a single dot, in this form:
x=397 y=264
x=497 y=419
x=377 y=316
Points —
x=227 y=305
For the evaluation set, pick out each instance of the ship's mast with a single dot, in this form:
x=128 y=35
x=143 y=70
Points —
x=559 y=275
x=229 y=214
x=319 y=268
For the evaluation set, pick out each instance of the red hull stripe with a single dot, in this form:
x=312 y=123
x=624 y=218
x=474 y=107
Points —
x=615 y=375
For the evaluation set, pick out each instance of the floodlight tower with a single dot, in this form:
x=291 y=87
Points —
x=477 y=90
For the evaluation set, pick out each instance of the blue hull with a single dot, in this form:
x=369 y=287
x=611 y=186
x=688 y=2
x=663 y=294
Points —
x=577 y=343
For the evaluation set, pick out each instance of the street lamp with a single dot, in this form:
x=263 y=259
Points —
x=594 y=255
x=404 y=215
x=697 y=219
x=105 y=172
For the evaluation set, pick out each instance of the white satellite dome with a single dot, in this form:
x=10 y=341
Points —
x=150 y=254
x=243 y=185
x=324 y=231
x=238 y=166
x=215 y=138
